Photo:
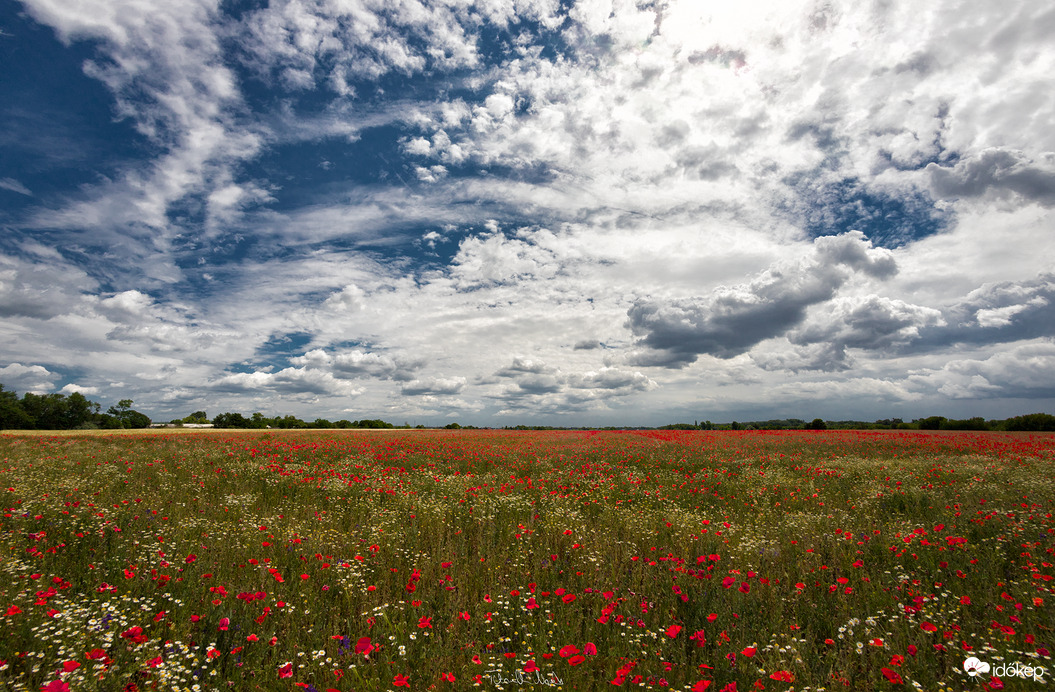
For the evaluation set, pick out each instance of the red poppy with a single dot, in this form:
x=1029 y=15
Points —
x=401 y=681
x=56 y=686
x=892 y=676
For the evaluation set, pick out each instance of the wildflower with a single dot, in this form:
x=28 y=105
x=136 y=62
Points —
x=401 y=681
x=892 y=676
x=56 y=686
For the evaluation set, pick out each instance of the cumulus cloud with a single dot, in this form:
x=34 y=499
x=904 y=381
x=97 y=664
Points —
x=434 y=385
x=535 y=384
x=998 y=312
x=998 y=173
x=734 y=319
x=357 y=363
x=288 y=381
x=872 y=323
x=79 y=389
x=40 y=290
x=27 y=378
x=1025 y=371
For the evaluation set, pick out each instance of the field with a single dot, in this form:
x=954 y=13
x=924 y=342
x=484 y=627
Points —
x=449 y=560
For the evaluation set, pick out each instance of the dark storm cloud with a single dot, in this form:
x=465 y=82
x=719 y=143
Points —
x=872 y=323
x=732 y=320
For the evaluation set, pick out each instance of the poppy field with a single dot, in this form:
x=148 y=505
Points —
x=452 y=560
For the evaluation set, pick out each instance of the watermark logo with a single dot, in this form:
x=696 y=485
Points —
x=974 y=667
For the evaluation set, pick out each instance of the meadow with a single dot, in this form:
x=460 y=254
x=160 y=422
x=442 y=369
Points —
x=436 y=560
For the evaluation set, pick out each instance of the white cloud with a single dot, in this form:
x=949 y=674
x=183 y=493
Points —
x=733 y=319
x=626 y=187
x=434 y=386
x=79 y=389
x=1025 y=371
x=27 y=378
x=13 y=185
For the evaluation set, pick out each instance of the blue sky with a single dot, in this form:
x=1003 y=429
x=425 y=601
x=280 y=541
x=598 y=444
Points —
x=590 y=212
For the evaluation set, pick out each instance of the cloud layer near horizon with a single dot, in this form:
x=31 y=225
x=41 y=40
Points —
x=599 y=212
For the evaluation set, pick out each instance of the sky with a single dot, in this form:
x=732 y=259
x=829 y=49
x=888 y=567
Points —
x=541 y=212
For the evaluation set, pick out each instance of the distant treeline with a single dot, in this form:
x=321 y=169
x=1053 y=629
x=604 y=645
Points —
x=1029 y=422
x=260 y=421
x=75 y=412
x=61 y=412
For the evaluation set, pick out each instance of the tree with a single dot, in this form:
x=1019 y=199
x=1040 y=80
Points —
x=122 y=416
x=12 y=415
x=1032 y=421
x=79 y=411
x=817 y=424
x=230 y=420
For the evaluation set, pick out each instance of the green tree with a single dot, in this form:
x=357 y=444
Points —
x=12 y=415
x=230 y=420
x=79 y=411
x=48 y=411
x=931 y=423
x=1031 y=421
x=123 y=416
